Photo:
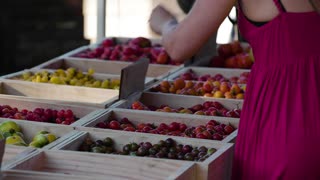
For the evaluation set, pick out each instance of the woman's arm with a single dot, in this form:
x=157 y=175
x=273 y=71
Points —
x=183 y=40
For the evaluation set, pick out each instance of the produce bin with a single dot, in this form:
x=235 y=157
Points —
x=176 y=101
x=155 y=71
x=216 y=166
x=156 y=118
x=59 y=94
x=30 y=129
x=67 y=164
x=227 y=73
x=81 y=113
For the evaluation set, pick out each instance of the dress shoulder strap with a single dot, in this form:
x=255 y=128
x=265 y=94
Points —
x=279 y=5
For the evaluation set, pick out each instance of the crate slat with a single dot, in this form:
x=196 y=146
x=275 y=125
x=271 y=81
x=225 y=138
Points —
x=31 y=175
x=217 y=166
x=103 y=166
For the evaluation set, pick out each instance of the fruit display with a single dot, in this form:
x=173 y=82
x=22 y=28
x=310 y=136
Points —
x=103 y=67
x=42 y=138
x=208 y=108
x=72 y=77
x=233 y=55
x=210 y=130
x=190 y=75
x=168 y=149
x=130 y=51
x=208 y=88
x=59 y=97
x=13 y=134
x=62 y=116
x=40 y=167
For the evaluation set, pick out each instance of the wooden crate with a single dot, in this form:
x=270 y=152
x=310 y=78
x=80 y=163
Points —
x=72 y=52
x=31 y=175
x=199 y=71
x=156 y=118
x=153 y=85
x=157 y=71
x=117 y=40
x=174 y=101
x=216 y=166
x=17 y=75
x=30 y=129
x=66 y=165
x=60 y=94
x=124 y=40
x=12 y=153
x=205 y=60
x=83 y=113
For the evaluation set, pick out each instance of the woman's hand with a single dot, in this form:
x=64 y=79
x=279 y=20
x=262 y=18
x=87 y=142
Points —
x=159 y=18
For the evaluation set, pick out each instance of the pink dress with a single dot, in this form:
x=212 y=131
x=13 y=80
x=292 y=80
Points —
x=279 y=131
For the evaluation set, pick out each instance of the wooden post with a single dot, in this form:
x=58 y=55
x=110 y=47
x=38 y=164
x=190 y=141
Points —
x=101 y=19
x=2 y=145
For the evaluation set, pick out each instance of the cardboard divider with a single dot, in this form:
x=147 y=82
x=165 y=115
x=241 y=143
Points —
x=133 y=77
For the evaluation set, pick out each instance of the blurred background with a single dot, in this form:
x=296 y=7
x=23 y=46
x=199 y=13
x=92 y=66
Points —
x=36 y=31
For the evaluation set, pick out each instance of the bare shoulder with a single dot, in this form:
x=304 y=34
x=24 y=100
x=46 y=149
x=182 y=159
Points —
x=266 y=10
x=259 y=10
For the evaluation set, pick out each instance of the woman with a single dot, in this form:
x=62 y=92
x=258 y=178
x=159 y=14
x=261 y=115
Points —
x=279 y=129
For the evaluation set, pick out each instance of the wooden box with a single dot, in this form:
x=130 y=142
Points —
x=72 y=165
x=60 y=94
x=83 y=113
x=150 y=87
x=175 y=101
x=199 y=71
x=97 y=76
x=155 y=71
x=29 y=129
x=31 y=175
x=206 y=60
x=216 y=166
x=12 y=153
x=156 y=118
x=74 y=51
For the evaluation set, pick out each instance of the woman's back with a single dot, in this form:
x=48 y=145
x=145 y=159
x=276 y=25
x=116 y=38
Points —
x=265 y=10
x=291 y=32
x=279 y=128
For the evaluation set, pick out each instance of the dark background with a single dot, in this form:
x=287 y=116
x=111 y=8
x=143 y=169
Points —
x=35 y=31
